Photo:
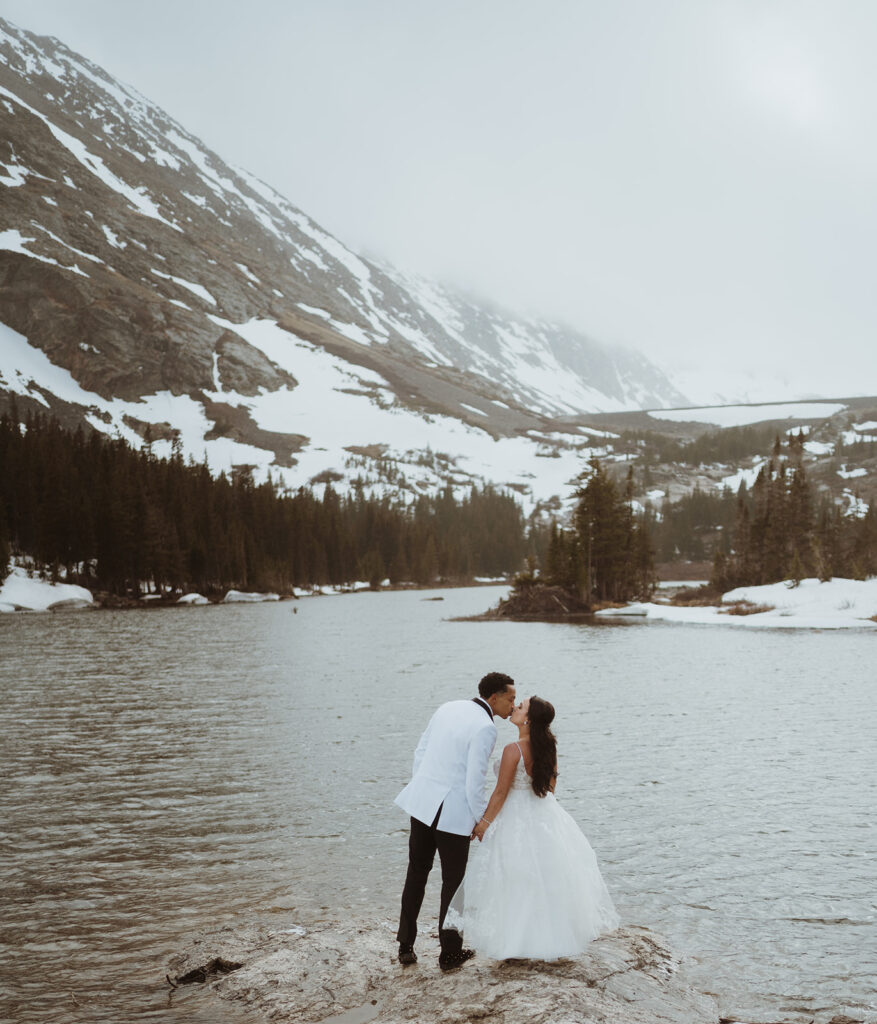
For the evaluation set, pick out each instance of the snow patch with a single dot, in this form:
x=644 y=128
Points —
x=16 y=174
x=241 y=597
x=818 y=447
x=245 y=270
x=113 y=238
x=21 y=591
x=324 y=314
x=857 y=508
x=196 y=289
x=12 y=240
x=744 y=475
x=836 y=604
x=741 y=415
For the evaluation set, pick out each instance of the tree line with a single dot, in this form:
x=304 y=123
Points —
x=783 y=530
x=94 y=510
x=780 y=528
x=97 y=511
x=727 y=445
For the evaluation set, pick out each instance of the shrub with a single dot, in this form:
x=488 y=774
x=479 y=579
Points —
x=745 y=608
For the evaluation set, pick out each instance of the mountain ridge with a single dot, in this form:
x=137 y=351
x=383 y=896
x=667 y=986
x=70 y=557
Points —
x=135 y=259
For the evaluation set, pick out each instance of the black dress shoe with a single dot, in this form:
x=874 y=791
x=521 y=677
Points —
x=451 y=961
x=407 y=954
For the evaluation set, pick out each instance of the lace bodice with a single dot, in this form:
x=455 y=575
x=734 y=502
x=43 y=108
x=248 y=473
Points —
x=521 y=781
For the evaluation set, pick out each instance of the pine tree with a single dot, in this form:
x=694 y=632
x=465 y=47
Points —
x=611 y=561
x=371 y=568
x=796 y=570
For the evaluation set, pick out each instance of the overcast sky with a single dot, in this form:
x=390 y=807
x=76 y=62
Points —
x=692 y=179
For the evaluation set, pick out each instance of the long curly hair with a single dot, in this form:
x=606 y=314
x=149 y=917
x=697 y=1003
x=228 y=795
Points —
x=543 y=744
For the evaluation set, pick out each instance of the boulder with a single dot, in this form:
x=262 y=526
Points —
x=350 y=968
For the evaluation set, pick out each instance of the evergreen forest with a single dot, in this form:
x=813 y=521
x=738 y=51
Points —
x=784 y=530
x=95 y=511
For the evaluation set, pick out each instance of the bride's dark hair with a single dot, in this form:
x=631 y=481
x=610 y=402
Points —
x=542 y=744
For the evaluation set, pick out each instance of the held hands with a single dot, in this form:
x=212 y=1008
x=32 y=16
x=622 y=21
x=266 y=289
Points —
x=480 y=829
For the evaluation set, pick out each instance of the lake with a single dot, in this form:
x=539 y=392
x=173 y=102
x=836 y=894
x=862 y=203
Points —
x=172 y=770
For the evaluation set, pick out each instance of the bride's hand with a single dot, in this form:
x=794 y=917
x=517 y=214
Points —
x=479 y=830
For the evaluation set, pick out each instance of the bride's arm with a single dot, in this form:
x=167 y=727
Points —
x=510 y=757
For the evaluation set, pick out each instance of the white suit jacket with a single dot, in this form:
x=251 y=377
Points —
x=450 y=765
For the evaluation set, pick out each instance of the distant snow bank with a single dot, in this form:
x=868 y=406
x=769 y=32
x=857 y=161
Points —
x=741 y=415
x=20 y=592
x=836 y=604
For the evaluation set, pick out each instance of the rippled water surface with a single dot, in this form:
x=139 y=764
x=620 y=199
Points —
x=172 y=770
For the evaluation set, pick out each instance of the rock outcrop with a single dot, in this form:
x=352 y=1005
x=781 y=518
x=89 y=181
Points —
x=297 y=975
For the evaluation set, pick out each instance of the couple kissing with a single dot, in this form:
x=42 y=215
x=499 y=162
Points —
x=532 y=888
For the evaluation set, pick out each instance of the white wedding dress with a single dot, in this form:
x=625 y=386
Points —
x=532 y=889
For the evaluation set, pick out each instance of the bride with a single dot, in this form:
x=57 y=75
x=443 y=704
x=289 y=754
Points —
x=533 y=888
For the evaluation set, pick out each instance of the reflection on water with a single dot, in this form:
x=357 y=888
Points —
x=174 y=769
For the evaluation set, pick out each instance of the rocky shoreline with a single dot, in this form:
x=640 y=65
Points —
x=23 y=591
x=347 y=972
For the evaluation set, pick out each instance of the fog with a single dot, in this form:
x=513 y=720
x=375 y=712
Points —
x=691 y=180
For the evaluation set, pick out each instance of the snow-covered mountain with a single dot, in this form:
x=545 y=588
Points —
x=153 y=291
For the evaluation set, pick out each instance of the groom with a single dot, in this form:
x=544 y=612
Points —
x=446 y=799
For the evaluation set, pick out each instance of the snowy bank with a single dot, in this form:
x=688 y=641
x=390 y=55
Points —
x=332 y=589
x=836 y=604
x=243 y=597
x=19 y=592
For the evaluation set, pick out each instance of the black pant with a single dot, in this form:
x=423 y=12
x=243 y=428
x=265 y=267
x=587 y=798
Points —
x=453 y=851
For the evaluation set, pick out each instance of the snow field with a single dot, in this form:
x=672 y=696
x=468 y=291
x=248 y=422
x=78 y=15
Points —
x=336 y=406
x=742 y=415
x=836 y=604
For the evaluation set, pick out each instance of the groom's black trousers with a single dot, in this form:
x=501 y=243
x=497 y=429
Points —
x=453 y=851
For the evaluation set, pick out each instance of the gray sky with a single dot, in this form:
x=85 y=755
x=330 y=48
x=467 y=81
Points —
x=693 y=179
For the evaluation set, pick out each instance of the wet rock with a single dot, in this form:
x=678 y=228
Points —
x=198 y=975
x=628 y=977
x=70 y=604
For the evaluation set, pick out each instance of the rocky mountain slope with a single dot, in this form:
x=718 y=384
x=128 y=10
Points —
x=151 y=290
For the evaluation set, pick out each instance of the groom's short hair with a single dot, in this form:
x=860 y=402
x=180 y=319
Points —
x=494 y=682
